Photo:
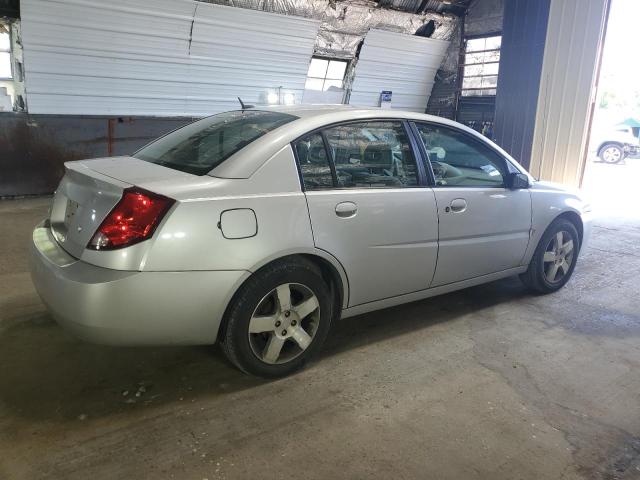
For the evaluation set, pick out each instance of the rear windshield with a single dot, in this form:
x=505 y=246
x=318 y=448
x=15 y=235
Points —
x=201 y=146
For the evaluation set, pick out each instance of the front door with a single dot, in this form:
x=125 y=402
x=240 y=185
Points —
x=484 y=226
x=367 y=208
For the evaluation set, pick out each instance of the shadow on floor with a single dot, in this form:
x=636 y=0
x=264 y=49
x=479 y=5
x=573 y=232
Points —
x=48 y=375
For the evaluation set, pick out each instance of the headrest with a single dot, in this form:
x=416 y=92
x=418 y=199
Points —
x=302 y=150
x=378 y=153
x=317 y=153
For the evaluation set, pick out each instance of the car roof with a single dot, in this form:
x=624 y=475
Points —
x=312 y=117
x=305 y=110
x=309 y=111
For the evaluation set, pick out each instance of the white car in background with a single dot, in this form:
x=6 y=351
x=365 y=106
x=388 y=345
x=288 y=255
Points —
x=618 y=144
x=258 y=228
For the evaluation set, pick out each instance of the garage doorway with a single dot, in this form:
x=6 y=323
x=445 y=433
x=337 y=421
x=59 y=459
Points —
x=612 y=171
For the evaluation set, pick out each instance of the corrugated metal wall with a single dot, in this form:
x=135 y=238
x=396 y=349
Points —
x=33 y=148
x=404 y=64
x=523 y=37
x=573 y=42
x=160 y=57
x=476 y=112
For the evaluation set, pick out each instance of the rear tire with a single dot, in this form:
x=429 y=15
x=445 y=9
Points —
x=279 y=319
x=555 y=258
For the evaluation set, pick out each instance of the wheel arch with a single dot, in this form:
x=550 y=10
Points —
x=532 y=276
x=575 y=219
x=332 y=271
x=609 y=142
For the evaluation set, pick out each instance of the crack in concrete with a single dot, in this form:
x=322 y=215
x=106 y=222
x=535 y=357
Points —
x=614 y=252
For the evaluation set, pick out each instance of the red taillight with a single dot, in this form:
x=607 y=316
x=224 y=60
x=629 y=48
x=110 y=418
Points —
x=133 y=219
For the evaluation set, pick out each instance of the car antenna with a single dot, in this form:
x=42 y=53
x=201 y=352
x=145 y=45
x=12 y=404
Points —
x=243 y=105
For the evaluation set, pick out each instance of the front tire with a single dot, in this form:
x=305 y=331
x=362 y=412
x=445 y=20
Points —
x=555 y=258
x=278 y=319
x=611 y=153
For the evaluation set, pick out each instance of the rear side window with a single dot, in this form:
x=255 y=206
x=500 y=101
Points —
x=314 y=162
x=373 y=154
x=203 y=145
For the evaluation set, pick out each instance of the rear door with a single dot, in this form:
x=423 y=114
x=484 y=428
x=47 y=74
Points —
x=368 y=207
x=484 y=226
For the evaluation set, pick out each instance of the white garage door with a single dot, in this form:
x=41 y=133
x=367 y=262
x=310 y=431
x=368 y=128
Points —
x=160 y=57
x=403 y=64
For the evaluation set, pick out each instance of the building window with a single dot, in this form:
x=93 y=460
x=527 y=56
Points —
x=5 y=56
x=481 y=64
x=325 y=73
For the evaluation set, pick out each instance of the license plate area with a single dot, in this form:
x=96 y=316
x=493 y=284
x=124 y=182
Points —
x=70 y=212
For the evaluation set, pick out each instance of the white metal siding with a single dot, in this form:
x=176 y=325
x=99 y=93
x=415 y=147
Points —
x=574 y=36
x=404 y=64
x=160 y=57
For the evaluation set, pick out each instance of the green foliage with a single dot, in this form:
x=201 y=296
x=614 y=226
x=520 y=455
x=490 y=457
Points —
x=629 y=99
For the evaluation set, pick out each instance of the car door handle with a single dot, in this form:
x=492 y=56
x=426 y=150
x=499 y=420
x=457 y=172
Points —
x=346 y=209
x=457 y=205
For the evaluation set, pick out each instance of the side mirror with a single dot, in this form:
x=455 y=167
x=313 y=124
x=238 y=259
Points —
x=517 y=181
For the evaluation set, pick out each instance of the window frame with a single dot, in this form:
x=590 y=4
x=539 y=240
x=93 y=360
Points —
x=464 y=64
x=9 y=51
x=414 y=143
x=426 y=177
x=324 y=79
x=508 y=166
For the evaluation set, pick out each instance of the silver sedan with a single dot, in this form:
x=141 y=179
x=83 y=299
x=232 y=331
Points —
x=258 y=228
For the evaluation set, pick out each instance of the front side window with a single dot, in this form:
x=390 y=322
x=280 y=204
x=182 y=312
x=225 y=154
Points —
x=458 y=160
x=203 y=145
x=374 y=154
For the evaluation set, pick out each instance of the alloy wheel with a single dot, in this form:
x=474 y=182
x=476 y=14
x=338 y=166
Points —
x=284 y=323
x=558 y=257
x=612 y=154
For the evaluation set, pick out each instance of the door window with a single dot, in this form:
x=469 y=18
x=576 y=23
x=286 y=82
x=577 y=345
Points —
x=373 y=154
x=458 y=160
x=314 y=162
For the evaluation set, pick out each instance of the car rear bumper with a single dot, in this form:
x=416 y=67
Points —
x=116 y=307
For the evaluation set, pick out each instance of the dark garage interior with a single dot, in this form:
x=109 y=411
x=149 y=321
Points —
x=492 y=381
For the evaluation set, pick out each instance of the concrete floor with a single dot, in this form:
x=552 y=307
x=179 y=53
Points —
x=490 y=382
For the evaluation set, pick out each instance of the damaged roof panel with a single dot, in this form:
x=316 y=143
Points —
x=455 y=7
